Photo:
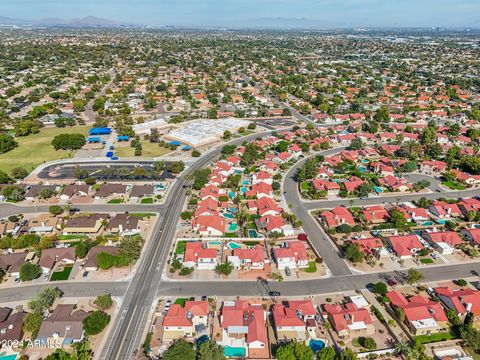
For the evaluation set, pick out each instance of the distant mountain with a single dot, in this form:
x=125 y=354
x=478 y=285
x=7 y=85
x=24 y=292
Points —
x=89 y=21
x=289 y=23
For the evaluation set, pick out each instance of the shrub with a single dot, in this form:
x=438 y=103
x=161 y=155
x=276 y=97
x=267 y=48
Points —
x=94 y=323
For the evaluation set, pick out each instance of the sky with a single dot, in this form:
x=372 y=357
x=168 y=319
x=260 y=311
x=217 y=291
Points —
x=257 y=13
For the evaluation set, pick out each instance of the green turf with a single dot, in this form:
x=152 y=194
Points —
x=442 y=336
x=180 y=249
x=181 y=301
x=62 y=275
x=312 y=267
x=427 y=261
x=142 y=215
x=148 y=150
x=32 y=150
x=115 y=201
x=146 y=201
x=454 y=185
x=72 y=237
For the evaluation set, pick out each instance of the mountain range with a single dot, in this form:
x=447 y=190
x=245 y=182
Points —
x=89 y=21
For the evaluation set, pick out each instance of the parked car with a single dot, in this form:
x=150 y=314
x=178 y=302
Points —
x=204 y=298
x=287 y=271
x=17 y=280
x=167 y=305
x=85 y=274
x=391 y=282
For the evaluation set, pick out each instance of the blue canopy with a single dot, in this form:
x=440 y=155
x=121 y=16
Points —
x=100 y=131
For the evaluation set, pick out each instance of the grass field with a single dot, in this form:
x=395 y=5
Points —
x=143 y=215
x=62 y=275
x=312 y=267
x=72 y=237
x=454 y=185
x=148 y=150
x=115 y=201
x=35 y=149
x=146 y=201
x=425 y=339
x=180 y=249
x=426 y=261
x=181 y=301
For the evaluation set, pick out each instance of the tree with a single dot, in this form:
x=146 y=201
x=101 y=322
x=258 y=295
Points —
x=32 y=322
x=356 y=144
x=397 y=218
x=7 y=143
x=228 y=149
x=180 y=350
x=103 y=302
x=30 y=271
x=130 y=248
x=294 y=351
x=200 y=178
x=226 y=135
x=225 y=268
x=380 y=288
x=414 y=276
x=175 y=167
x=210 y=350
x=348 y=354
x=68 y=141
x=196 y=153
x=13 y=193
x=19 y=173
x=44 y=300
x=154 y=135
x=55 y=210
x=353 y=253
x=4 y=178
x=94 y=323
x=327 y=353
x=368 y=343
x=382 y=115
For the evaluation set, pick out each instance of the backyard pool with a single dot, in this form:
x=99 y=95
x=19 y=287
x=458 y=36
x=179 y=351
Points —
x=231 y=194
x=232 y=227
x=8 y=357
x=252 y=233
x=365 y=161
x=378 y=189
x=316 y=345
x=362 y=169
x=441 y=221
x=228 y=215
x=243 y=189
x=427 y=223
x=234 y=246
x=234 y=351
x=246 y=182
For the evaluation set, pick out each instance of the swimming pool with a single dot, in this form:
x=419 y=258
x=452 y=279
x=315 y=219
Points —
x=231 y=194
x=252 y=233
x=316 y=345
x=215 y=243
x=8 y=357
x=378 y=189
x=246 y=182
x=243 y=189
x=234 y=351
x=232 y=227
x=427 y=223
x=365 y=161
x=442 y=221
x=362 y=169
x=234 y=246
x=228 y=215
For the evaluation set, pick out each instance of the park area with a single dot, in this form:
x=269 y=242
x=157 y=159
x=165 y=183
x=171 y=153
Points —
x=32 y=150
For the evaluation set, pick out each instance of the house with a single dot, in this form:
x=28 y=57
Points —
x=52 y=256
x=11 y=263
x=444 y=210
x=405 y=245
x=444 y=242
x=44 y=224
x=244 y=326
x=462 y=300
x=337 y=216
x=91 y=261
x=472 y=235
x=10 y=325
x=262 y=189
x=330 y=187
x=375 y=214
x=423 y=316
x=111 y=190
x=267 y=206
x=84 y=224
x=433 y=167
x=253 y=258
x=70 y=191
x=186 y=321
x=412 y=213
x=293 y=255
x=34 y=191
x=275 y=223
x=64 y=324
x=294 y=319
x=370 y=246
x=466 y=206
x=348 y=319
x=199 y=255
x=209 y=225
x=140 y=191
x=394 y=183
x=124 y=224
x=352 y=184
x=472 y=180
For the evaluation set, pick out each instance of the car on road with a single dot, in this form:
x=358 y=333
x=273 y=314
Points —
x=85 y=274
x=391 y=281
x=274 y=293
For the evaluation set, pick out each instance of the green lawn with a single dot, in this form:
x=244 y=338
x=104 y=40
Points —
x=180 y=249
x=146 y=201
x=312 y=267
x=181 y=301
x=426 y=261
x=115 y=201
x=35 y=149
x=72 y=237
x=148 y=150
x=62 y=275
x=454 y=185
x=425 y=339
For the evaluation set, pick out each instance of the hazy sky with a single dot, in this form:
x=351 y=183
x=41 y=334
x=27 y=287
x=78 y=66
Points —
x=326 y=13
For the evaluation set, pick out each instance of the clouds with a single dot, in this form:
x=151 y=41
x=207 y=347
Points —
x=241 y=12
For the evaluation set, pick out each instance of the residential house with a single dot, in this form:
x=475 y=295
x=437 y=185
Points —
x=34 y=191
x=199 y=255
x=433 y=167
x=338 y=216
x=11 y=263
x=293 y=255
x=375 y=214
x=70 y=191
x=124 y=224
x=44 y=224
x=244 y=258
x=349 y=319
x=85 y=224
x=422 y=315
x=294 y=320
x=209 y=225
x=370 y=246
x=111 y=190
x=10 y=326
x=444 y=242
x=64 y=324
x=405 y=245
x=141 y=191
x=472 y=235
x=91 y=260
x=50 y=257
x=186 y=321
x=463 y=301
x=444 y=210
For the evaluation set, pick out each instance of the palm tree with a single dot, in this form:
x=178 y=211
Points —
x=402 y=348
x=242 y=217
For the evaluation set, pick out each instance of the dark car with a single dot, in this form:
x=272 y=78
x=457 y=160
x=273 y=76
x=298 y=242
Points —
x=391 y=282
x=274 y=293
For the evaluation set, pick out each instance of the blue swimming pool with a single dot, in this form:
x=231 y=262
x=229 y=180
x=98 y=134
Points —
x=316 y=345
x=228 y=215
x=442 y=221
x=252 y=233
x=231 y=194
x=378 y=189
x=365 y=161
x=246 y=182
x=427 y=223
x=233 y=245
x=234 y=351
x=362 y=169
x=243 y=189
x=232 y=227
x=8 y=357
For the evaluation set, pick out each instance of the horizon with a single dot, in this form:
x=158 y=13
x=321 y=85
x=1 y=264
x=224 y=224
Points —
x=258 y=14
